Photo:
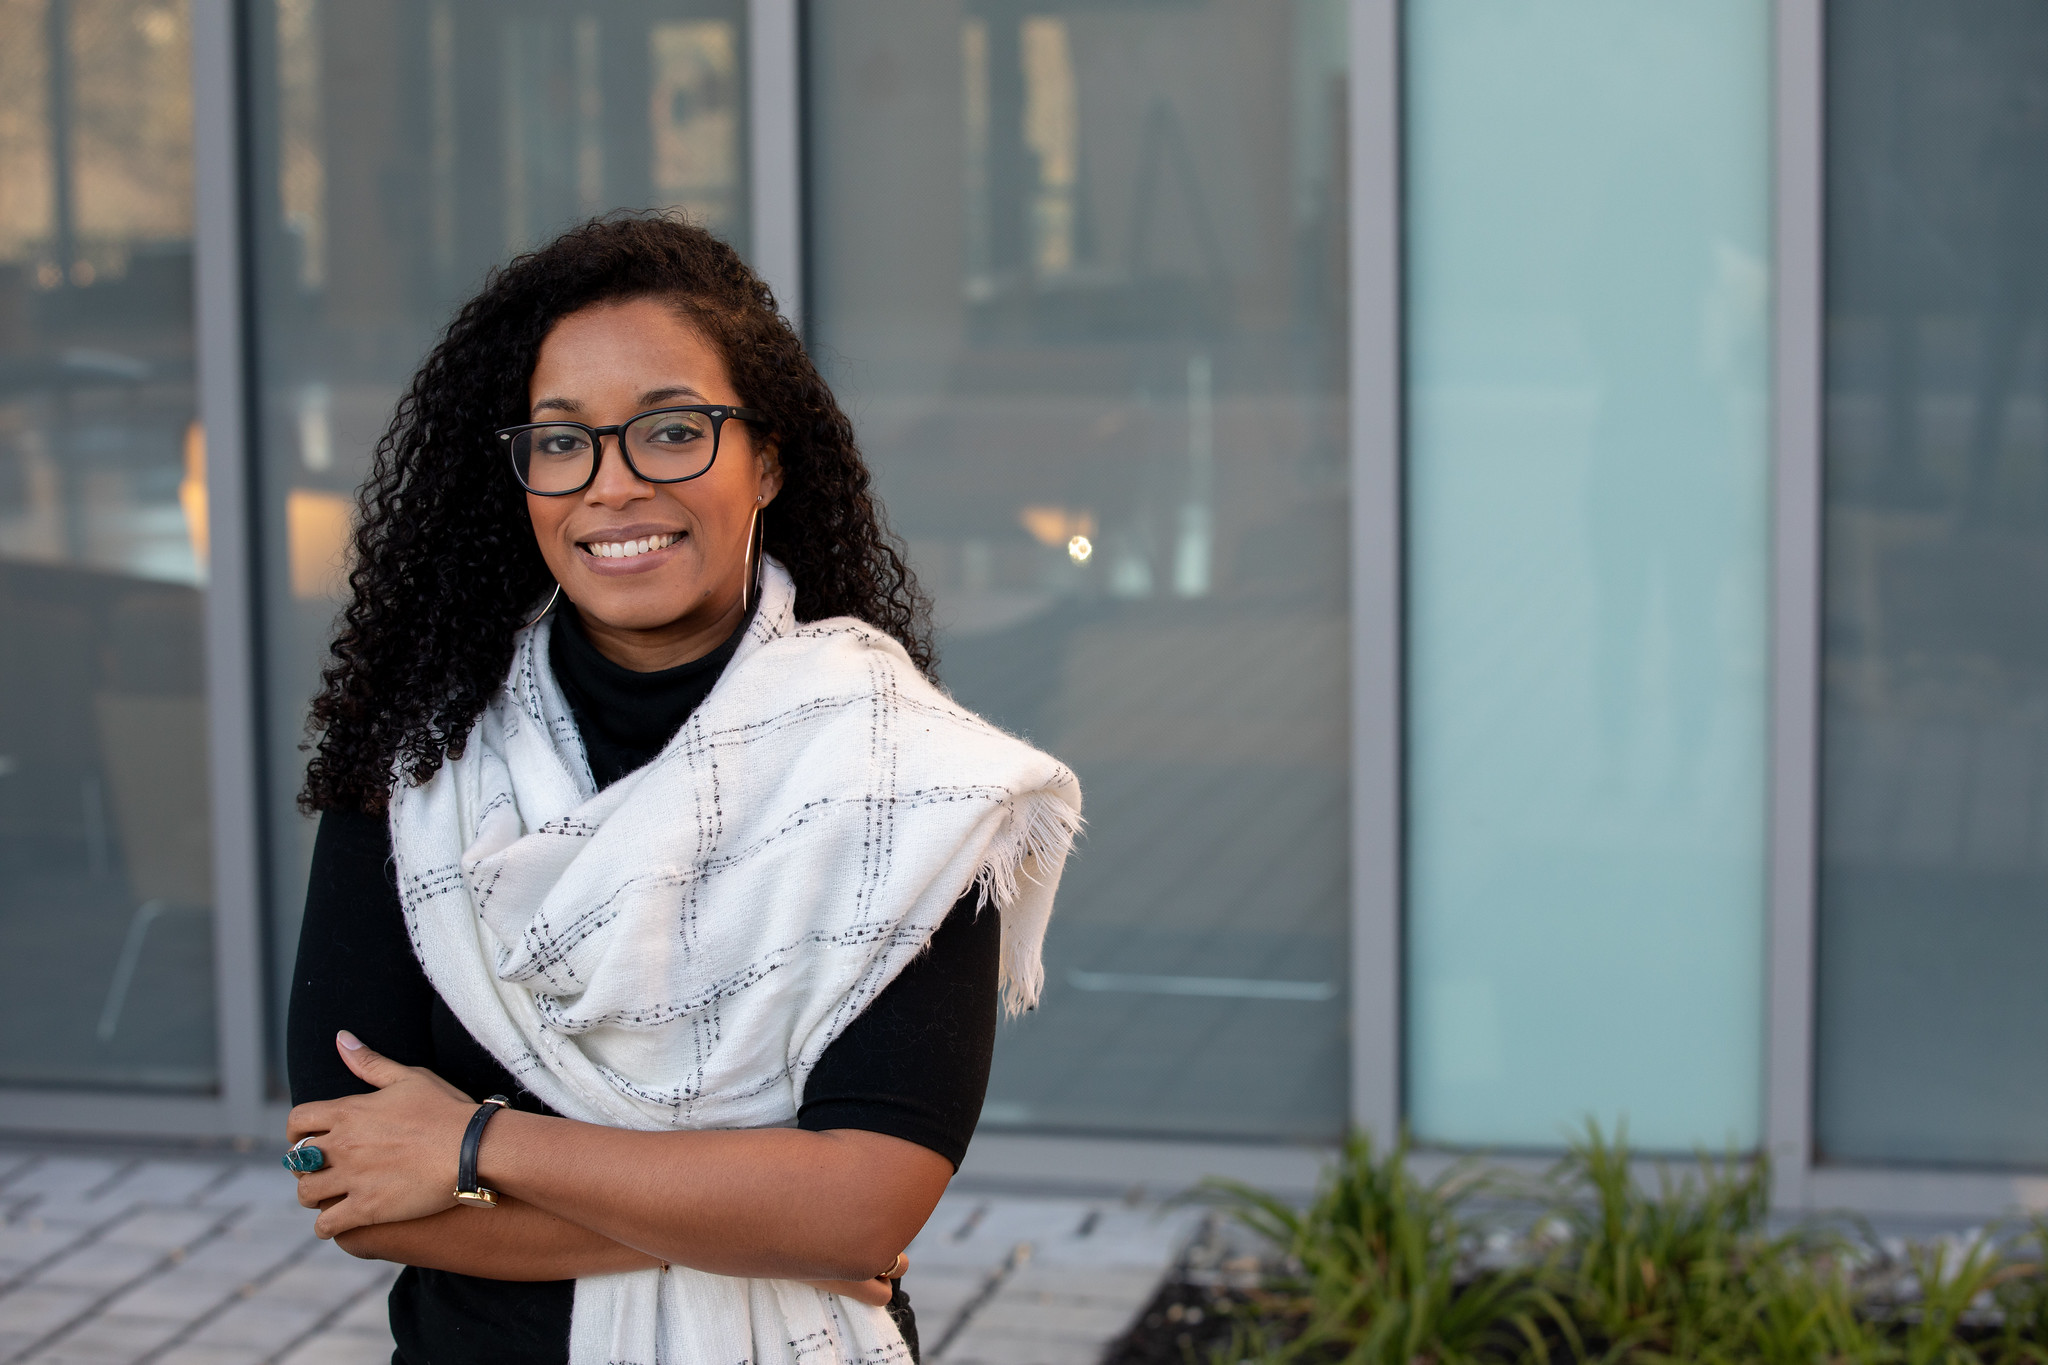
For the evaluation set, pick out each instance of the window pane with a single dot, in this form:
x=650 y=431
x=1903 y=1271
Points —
x=1078 y=273
x=400 y=148
x=106 y=879
x=1934 y=863
x=1588 y=272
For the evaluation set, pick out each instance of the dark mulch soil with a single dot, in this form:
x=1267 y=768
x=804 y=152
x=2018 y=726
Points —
x=1186 y=1321
x=1181 y=1324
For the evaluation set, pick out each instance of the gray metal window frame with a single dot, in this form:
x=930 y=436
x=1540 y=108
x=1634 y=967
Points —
x=775 y=149
x=1377 y=558
x=243 y=1110
x=1798 y=81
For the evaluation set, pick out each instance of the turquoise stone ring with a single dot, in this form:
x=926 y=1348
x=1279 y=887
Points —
x=304 y=1158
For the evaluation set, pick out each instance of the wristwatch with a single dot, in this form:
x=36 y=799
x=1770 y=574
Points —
x=466 y=1188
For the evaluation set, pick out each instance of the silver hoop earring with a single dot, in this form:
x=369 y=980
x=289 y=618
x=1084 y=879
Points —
x=546 y=609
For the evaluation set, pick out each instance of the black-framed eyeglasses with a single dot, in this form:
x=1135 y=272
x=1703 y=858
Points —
x=664 y=445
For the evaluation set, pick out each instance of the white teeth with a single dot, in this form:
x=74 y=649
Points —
x=627 y=549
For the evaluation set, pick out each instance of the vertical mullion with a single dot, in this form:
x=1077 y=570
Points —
x=1376 y=654
x=230 y=600
x=774 y=109
x=1799 y=97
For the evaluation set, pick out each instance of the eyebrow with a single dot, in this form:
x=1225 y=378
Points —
x=653 y=398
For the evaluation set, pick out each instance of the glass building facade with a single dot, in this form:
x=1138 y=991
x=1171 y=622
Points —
x=1079 y=276
x=1521 y=513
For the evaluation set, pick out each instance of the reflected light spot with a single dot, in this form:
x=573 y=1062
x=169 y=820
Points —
x=159 y=26
x=316 y=531
x=192 y=493
x=1079 y=548
x=1055 y=526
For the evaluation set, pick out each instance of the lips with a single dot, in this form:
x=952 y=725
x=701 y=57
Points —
x=630 y=549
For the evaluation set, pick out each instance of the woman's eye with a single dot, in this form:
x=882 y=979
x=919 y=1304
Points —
x=561 y=443
x=674 y=433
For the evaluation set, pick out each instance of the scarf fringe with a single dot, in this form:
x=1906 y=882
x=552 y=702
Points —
x=1039 y=832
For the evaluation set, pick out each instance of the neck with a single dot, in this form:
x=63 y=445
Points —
x=681 y=641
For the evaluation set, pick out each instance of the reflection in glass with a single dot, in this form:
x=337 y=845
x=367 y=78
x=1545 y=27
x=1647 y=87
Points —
x=1588 y=272
x=1079 y=277
x=1934 y=847
x=401 y=148
x=105 y=873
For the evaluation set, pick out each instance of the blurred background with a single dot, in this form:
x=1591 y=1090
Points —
x=1086 y=274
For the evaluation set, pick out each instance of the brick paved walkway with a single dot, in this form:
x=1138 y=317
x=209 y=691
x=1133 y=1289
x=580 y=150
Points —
x=112 y=1260
x=1007 y=1280
x=182 y=1262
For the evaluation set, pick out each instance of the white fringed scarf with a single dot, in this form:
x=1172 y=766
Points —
x=677 y=950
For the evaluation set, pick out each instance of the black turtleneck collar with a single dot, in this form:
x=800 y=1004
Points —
x=626 y=717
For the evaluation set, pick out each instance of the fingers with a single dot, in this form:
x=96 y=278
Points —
x=335 y=1219
x=311 y=1120
x=875 y=1293
x=373 y=1067
x=319 y=1186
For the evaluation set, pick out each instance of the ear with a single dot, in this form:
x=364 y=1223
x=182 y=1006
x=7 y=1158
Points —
x=770 y=458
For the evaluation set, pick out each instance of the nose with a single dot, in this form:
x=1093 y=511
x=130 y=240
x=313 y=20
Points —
x=616 y=484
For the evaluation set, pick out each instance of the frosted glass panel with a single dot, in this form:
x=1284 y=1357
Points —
x=1588 y=276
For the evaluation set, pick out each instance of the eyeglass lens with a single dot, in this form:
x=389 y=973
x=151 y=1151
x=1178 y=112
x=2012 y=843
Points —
x=661 y=447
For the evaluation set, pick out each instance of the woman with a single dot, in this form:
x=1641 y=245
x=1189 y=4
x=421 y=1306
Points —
x=639 y=811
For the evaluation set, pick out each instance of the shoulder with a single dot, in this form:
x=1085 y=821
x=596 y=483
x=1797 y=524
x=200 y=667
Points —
x=839 y=672
x=846 y=652
x=352 y=913
x=350 y=841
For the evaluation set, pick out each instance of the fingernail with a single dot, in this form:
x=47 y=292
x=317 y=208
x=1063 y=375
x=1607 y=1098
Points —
x=349 y=1041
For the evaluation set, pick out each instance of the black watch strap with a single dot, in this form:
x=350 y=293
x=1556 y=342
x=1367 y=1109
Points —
x=466 y=1188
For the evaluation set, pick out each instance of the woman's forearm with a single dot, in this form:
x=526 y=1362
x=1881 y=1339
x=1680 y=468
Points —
x=514 y=1241
x=520 y=1242
x=777 y=1202
x=774 y=1203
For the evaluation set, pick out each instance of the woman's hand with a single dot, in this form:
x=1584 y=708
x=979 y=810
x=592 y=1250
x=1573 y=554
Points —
x=391 y=1156
x=876 y=1292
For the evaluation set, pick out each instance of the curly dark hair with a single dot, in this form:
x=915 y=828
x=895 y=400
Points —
x=446 y=564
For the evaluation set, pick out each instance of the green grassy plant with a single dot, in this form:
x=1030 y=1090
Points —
x=1650 y=1276
x=1380 y=1272
x=1692 y=1272
x=2022 y=1298
x=1950 y=1286
x=1380 y=1259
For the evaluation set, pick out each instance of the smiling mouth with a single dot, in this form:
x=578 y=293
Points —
x=630 y=549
